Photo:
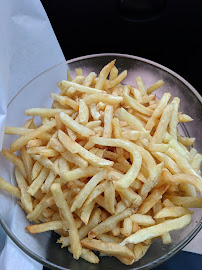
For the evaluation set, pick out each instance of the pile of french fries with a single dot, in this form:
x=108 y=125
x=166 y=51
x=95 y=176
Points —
x=107 y=168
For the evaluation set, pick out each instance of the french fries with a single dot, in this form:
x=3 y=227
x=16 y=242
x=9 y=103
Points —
x=107 y=168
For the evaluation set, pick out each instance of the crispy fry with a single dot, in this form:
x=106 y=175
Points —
x=109 y=223
x=103 y=75
x=21 y=141
x=26 y=199
x=46 y=112
x=10 y=188
x=17 y=161
x=129 y=177
x=85 y=192
x=111 y=248
x=158 y=230
x=68 y=219
x=136 y=105
x=83 y=112
x=81 y=88
x=155 y=86
x=105 y=98
x=188 y=202
x=70 y=123
x=133 y=121
x=43 y=227
x=158 y=111
x=163 y=124
x=108 y=115
x=145 y=220
x=172 y=211
x=38 y=181
x=109 y=195
x=153 y=198
x=112 y=83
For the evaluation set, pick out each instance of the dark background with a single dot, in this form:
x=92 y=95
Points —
x=172 y=39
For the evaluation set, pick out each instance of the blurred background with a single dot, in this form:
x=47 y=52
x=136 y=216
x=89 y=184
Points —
x=165 y=31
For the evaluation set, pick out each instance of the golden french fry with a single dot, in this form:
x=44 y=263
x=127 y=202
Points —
x=80 y=88
x=26 y=199
x=108 y=115
x=153 y=198
x=141 y=248
x=74 y=158
x=38 y=181
x=113 y=73
x=35 y=143
x=70 y=123
x=74 y=147
x=172 y=211
x=182 y=162
x=83 y=231
x=93 y=124
x=86 y=212
x=103 y=75
x=112 y=83
x=46 y=112
x=183 y=178
x=83 y=112
x=88 y=255
x=134 y=135
x=37 y=167
x=99 y=189
x=155 y=86
x=10 y=188
x=174 y=118
x=169 y=163
x=187 y=202
x=158 y=111
x=130 y=195
x=89 y=79
x=109 y=195
x=184 y=118
x=48 y=181
x=140 y=85
x=111 y=248
x=85 y=192
x=17 y=161
x=127 y=227
x=68 y=219
x=163 y=124
x=136 y=105
x=196 y=162
x=185 y=140
x=43 y=227
x=145 y=220
x=116 y=128
x=158 y=230
x=180 y=149
x=129 y=177
x=23 y=140
x=65 y=101
x=79 y=173
x=109 y=223
x=101 y=97
x=132 y=121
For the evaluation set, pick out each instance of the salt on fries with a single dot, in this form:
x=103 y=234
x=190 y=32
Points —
x=107 y=169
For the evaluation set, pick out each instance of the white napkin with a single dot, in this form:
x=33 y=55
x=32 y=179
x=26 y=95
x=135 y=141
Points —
x=28 y=47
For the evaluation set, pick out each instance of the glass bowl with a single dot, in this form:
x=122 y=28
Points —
x=43 y=247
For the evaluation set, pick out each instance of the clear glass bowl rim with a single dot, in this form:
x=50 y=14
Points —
x=162 y=258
